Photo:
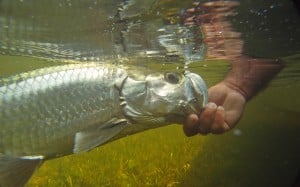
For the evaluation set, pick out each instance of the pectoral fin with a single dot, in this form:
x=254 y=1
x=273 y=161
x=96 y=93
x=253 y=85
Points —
x=89 y=139
x=15 y=172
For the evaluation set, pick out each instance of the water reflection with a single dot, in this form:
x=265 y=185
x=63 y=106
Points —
x=95 y=30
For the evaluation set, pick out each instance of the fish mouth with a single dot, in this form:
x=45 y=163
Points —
x=192 y=106
x=197 y=95
x=186 y=108
x=199 y=88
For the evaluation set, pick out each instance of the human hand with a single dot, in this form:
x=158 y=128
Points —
x=225 y=108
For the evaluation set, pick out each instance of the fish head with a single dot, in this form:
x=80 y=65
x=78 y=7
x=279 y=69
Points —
x=163 y=98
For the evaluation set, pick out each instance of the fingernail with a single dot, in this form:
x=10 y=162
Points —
x=211 y=105
x=220 y=108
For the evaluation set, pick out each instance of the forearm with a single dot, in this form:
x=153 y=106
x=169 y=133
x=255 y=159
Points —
x=250 y=75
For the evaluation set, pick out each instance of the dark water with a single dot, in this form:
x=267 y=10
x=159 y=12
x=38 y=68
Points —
x=264 y=149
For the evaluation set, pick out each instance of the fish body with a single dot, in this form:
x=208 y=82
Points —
x=62 y=110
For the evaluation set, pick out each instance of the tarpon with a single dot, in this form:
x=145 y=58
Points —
x=62 y=110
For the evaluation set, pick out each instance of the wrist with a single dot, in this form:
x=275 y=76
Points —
x=249 y=75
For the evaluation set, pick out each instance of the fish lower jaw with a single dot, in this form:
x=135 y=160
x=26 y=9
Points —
x=193 y=106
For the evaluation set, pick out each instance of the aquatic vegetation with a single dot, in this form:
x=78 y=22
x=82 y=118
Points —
x=159 y=157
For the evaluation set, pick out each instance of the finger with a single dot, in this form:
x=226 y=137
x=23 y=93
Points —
x=190 y=127
x=219 y=125
x=207 y=117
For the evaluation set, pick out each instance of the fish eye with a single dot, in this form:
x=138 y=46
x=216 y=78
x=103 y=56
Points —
x=172 y=77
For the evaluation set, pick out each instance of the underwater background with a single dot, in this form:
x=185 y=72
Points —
x=262 y=150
